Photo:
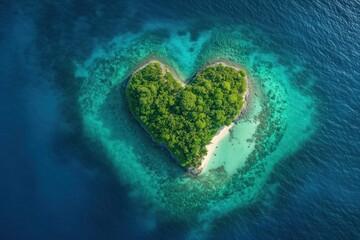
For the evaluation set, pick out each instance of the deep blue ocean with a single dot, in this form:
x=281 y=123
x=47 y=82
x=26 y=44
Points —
x=57 y=183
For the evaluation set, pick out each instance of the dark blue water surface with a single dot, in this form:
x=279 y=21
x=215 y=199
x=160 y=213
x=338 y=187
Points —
x=53 y=185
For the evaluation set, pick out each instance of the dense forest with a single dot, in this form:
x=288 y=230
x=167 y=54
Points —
x=185 y=119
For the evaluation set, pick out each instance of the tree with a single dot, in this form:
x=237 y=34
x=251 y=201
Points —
x=188 y=100
x=226 y=85
x=200 y=124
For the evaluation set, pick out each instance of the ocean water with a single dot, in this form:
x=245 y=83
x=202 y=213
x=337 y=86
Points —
x=76 y=165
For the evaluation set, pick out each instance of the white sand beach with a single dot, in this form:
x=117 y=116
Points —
x=226 y=129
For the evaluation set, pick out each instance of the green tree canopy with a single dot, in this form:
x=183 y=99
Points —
x=185 y=119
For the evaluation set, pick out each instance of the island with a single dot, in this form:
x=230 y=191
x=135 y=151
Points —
x=188 y=119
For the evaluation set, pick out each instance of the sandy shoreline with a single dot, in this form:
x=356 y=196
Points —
x=163 y=68
x=224 y=130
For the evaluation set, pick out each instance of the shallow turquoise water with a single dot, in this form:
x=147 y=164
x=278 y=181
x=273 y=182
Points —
x=74 y=163
x=279 y=119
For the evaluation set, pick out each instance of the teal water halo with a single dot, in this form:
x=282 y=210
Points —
x=279 y=119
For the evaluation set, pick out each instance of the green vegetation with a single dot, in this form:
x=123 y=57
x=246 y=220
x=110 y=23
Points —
x=185 y=119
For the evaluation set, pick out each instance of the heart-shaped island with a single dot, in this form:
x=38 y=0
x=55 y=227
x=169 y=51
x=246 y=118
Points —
x=186 y=118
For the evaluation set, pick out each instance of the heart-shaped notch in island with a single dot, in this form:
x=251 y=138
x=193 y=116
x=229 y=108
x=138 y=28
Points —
x=185 y=118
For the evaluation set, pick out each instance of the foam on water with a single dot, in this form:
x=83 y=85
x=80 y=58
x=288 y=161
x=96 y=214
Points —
x=277 y=123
